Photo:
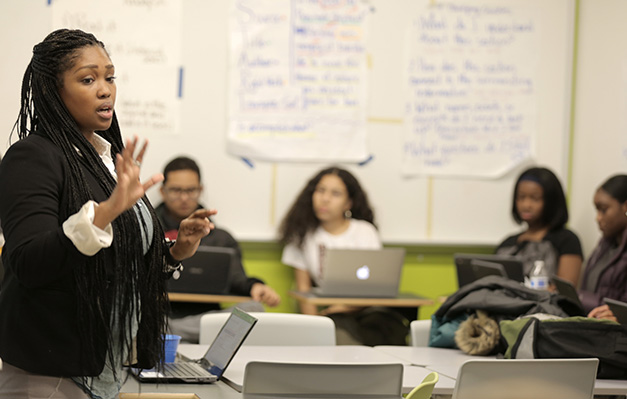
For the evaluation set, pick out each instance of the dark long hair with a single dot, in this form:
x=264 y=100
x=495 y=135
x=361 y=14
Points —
x=120 y=282
x=616 y=186
x=554 y=211
x=301 y=219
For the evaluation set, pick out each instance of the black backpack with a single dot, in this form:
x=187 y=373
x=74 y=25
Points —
x=570 y=337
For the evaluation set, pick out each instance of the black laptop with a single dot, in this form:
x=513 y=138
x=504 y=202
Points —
x=567 y=289
x=619 y=309
x=206 y=272
x=215 y=361
x=471 y=267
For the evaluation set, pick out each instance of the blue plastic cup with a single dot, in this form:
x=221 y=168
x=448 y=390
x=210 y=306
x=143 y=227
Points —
x=171 y=344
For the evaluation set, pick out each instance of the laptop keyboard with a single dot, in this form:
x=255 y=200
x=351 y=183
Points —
x=185 y=370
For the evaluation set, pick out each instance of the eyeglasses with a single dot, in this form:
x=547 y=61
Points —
x=177 y=192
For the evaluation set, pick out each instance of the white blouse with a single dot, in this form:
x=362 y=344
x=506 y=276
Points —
x=359 y=235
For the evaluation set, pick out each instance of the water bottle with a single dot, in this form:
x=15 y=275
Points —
x=539 y=278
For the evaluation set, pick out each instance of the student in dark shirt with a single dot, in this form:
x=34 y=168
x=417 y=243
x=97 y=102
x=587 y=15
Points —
x=606 y=270
x=181 y=191
x=539 y=202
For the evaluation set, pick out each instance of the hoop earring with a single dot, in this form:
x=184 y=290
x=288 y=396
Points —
x=348 y=214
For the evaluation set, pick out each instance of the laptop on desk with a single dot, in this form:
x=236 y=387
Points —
x=212 y=365
x=361 y=273
x=619 y=309
x=206 y=272
x=471 y=267
x=567 y=289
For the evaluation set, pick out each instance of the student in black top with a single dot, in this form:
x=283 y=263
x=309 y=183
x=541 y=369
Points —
x=539 y=202
x=85 y=258
x=181 y=191
x=605 y=275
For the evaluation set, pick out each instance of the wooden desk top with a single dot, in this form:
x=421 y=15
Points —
x=403 y=300
x=202 y=298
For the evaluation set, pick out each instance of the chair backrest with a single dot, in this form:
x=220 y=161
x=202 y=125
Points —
x=521 y=378
x=419 y=332
x=322 y=380
x=275 y=329
x=425 y=388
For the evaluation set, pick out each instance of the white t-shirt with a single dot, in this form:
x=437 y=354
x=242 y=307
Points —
x=359 y=235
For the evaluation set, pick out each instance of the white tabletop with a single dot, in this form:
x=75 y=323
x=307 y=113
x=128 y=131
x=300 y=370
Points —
x=217 y=390
x=446 y=362
x=234 y=374
x=310 y=354
x=417 y=361
x=426 y=356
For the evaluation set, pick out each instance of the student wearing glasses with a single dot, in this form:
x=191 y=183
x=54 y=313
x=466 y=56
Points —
x=181 y=192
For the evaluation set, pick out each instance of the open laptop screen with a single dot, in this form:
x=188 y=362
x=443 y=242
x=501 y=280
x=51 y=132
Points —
x=464 y=265
x=618 y=308
x=206 y=272
x=228 y=341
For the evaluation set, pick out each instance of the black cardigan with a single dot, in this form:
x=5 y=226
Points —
x=38 y=305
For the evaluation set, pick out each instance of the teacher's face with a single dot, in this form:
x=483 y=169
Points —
x=610 y=214
x=89 y=90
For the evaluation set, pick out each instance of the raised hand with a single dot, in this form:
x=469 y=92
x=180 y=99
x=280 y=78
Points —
x=129 y=189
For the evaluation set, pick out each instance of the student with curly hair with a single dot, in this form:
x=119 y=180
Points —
x=332 y=211
x=85 y=258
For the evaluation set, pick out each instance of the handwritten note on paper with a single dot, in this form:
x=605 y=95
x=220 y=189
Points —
x=471 y=71
x=298 y=80
x=143 y=38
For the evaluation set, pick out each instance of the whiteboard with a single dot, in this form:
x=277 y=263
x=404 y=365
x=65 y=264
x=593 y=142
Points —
x=251 y=200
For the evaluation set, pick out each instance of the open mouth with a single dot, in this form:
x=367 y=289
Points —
x=105 y=111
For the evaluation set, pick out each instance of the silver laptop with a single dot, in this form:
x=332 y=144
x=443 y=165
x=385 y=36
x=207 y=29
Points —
x=361 y=273
x=215 y=361
x=206 y=272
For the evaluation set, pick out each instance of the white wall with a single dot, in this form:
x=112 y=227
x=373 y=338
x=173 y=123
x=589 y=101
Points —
x=600 y=145
x=252 y=201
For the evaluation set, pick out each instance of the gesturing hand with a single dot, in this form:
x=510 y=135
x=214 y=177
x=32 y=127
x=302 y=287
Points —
x=191 y=230
x=129 y=189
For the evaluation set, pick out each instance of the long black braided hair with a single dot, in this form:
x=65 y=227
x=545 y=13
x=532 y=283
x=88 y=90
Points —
x=120 y=282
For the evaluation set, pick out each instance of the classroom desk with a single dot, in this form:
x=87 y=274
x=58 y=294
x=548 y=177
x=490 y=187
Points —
x=427 y=356
x=218 y=390
x=234 y=375
x=446 y=362
x=403 y=300
x=447 y=366
x=203 y=298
